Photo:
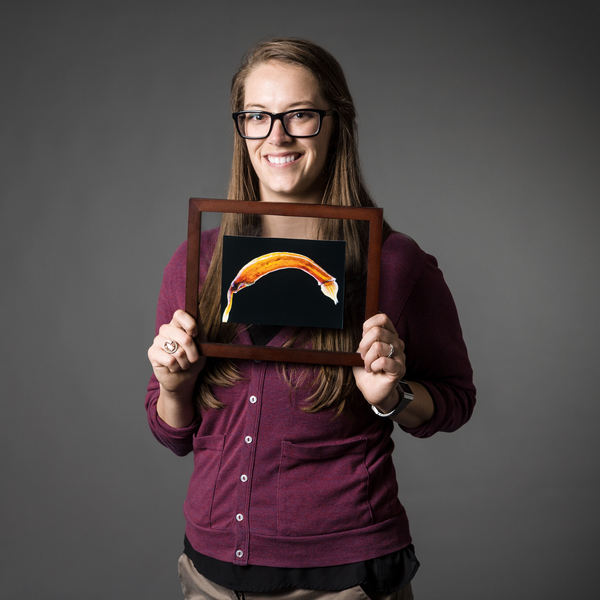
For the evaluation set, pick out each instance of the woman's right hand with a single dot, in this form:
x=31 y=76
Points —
x=177 y=372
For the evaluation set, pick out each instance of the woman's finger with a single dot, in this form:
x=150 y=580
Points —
x=382 y=336
x=182 y=320
x=379 y=320
x=172 y=361
x=377 y=361
x=184 y=341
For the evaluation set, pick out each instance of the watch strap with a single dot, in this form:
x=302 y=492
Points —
x=406 y=397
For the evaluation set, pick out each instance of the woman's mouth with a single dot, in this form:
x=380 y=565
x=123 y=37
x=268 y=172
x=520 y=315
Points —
x=281 y=160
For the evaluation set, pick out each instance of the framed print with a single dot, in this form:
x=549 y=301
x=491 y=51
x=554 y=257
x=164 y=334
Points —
x=285 y=282
x=282 y=281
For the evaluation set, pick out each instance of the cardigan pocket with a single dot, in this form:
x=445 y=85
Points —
x=322 y=489
x=208 y=454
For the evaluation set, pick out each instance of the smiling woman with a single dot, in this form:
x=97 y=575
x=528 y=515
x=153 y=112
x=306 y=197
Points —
x=289 y=168
x=293 y=491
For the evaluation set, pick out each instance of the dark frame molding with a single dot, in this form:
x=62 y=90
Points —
x=292 y=355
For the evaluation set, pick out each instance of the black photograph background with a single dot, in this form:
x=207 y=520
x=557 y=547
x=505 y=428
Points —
x=288 y=296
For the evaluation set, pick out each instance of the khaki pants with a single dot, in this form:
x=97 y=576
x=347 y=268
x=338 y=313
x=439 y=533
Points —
x=197 y=587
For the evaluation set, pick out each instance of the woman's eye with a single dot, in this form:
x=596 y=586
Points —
x=299 y=116
x=253 y=118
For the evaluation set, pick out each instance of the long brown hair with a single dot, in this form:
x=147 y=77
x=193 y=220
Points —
x=329 y=386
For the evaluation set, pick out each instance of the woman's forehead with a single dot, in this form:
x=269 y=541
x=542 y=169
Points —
x=273 y=84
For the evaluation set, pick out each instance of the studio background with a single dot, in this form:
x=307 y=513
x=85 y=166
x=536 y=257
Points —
x=479 y=128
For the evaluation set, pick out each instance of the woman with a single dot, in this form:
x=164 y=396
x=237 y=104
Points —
x=293 y=486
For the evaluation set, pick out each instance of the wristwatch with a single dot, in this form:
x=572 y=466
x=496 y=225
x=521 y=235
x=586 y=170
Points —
x=406 y=397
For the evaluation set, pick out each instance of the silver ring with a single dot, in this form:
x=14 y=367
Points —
x=391 y=351
x=170 y=346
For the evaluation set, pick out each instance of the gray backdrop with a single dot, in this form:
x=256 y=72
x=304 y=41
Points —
x=479 y=137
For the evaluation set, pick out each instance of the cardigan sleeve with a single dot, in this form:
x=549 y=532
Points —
x=171 y=298
x=436 y=355
x=427 y=321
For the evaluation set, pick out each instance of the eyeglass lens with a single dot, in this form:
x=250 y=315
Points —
x=297 y=123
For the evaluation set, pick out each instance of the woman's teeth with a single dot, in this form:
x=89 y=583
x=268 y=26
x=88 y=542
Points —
x=279 y=160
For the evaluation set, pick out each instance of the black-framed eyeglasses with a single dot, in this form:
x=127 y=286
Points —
x=300 y=122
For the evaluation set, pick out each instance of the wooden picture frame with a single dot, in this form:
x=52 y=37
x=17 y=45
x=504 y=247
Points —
x=374 y=216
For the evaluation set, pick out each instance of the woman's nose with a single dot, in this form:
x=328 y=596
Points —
x=278 y=134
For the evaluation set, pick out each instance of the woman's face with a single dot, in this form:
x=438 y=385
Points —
x=288 y=169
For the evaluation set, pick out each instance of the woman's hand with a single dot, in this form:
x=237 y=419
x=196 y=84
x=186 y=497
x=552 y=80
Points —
x=378 y=378
x=176 y=372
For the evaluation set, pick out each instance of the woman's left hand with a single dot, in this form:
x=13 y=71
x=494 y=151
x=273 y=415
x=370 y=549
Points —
x=378 y=378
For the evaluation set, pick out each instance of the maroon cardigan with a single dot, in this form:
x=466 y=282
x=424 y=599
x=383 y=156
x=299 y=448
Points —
x=275 y=486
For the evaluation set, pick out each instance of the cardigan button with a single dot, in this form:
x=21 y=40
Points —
x=248 y=439
x=253 y=399
x=244 y=478
x=239 y=517
x=239 y=553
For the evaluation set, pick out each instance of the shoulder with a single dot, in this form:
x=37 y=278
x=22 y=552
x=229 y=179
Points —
x=403 y=264
x=177 y=265
x=401 y=259
x=399 y=246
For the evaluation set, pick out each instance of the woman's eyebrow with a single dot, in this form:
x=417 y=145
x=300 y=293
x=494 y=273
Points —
x=301 y=104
